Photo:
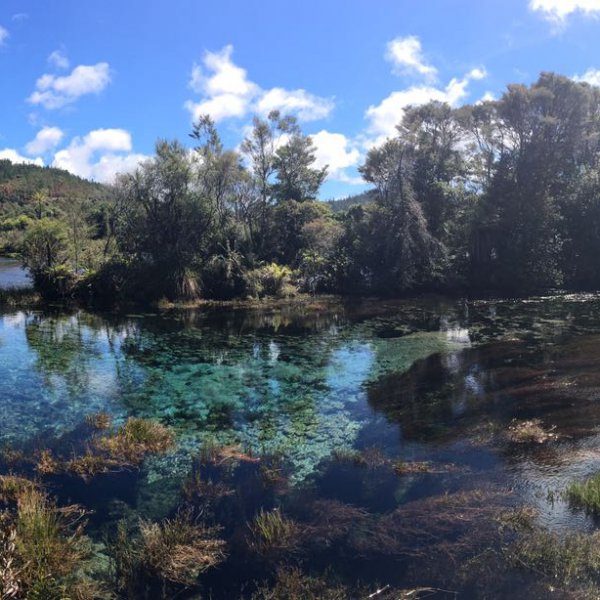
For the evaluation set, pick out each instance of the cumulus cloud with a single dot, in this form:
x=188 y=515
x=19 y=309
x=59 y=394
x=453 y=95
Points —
x=46 y=139
x=384 y=116
x=591 y=76
x=99 y=155
x=55 y=92
x=3 y=35
x=227 y=92
x=559 y=10
x=406 y=54
x=306 y=106
x=58 y=59
x=15 y=157
x=338 y=152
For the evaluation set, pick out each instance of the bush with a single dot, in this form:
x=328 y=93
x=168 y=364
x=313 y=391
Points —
x=270 y=280
x=55 y=283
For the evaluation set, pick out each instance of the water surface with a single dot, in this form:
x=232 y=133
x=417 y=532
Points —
x=12 y=274
x=433 y=382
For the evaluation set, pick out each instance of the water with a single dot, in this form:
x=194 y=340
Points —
x=431 y=382
x=12 y=274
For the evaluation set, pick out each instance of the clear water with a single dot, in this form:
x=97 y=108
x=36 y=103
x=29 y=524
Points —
x=420 y=380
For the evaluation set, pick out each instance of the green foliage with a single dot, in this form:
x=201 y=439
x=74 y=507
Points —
x=270 y=280
x=586 y=494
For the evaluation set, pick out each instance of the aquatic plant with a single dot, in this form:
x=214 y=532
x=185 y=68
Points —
x=90 y=464
x=586 y=494
x=293 y=584
x=529 y=432
x=44 y=548
x=274 y=534
x=47 y=464
x=179 y=550
x=135 y=439
x=12 y=487
x=99 y=421
x=569 y=561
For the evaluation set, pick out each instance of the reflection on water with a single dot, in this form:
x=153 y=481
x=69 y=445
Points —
x=431 y=382
x=12 y=274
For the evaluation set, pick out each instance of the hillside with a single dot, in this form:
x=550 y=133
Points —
x=19 y=184
x=344 y=204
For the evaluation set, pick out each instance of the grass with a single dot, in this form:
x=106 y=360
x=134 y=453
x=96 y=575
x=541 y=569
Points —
x=530 y=432
x=179 y=550
x=99 y=421
x=135 y=439
x=176 y=551
x=43 y=548
x=12 y=487
x=272 y=533
x=25 y=296
x=586 y=494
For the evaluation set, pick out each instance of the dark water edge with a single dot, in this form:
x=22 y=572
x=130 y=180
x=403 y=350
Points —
x=391 y=423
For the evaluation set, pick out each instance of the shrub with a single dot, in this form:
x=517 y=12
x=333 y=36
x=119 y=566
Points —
x=270 y=280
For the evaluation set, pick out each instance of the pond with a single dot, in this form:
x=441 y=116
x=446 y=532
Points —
x=389 y=431
x=12 y=274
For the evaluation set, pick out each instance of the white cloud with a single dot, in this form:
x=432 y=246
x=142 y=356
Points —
x=406 y=54
x=559 y=10
x=306 y=106
x=338 y=152
x=15 y=157
x=487 y=97
x=55 y=92
x=20 y=17
x=3 y=35
x=389 y=112
x=99 y=155
x=225 y=87
x=228 y=93
x=591 y=76
x=59 y=59
x=46 y=139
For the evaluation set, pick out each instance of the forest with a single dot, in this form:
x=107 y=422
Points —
x=498 y=197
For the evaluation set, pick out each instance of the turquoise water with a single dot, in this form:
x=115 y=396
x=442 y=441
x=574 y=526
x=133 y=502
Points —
x=433 y=380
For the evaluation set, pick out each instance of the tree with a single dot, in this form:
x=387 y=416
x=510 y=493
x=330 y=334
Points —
x=165 y=219
x=296 y=177
x=45 y=245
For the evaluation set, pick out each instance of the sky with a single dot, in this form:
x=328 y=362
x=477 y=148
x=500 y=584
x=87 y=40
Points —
x=90 y=85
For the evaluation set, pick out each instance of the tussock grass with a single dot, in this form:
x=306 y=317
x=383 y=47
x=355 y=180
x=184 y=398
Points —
x=135 y=439
x=586 y=494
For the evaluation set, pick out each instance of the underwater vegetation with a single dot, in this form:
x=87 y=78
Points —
x=384 y=450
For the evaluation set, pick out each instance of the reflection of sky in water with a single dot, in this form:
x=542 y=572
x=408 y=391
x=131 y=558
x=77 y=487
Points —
x=292 y=384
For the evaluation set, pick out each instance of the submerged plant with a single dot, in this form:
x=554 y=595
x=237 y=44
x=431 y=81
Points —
x=99 y=421
x=274 y=533
x=179 y=550
x=43 y=548
x=530 y=432
x=135 y=439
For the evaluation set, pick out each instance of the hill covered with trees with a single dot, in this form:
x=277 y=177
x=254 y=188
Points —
x=500 y=196
x=29 y=193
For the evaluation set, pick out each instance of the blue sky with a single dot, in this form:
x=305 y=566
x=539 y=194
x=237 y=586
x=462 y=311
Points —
x=90 y=85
